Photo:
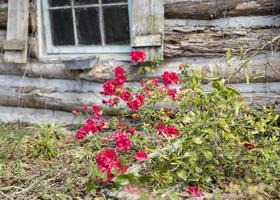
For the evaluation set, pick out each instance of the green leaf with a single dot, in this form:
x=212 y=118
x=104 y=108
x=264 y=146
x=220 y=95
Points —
x=208 y=155
x=90 y=186
x=182 y=174
x=197 y=140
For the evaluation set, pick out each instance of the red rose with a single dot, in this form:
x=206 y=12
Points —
x=141 y=156
x=169 y=78
x=137 y=56
x=122 y=142
x=193 y=191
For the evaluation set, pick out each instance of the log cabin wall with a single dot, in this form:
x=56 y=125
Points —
x=197 y=32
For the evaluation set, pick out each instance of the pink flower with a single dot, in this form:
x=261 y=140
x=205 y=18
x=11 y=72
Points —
x=141 y=156
x=131 y=189
x=105 y=160
x=122 y=142
x=193 y=191
x=125 y=95
x=108 y=88
x=75 y=113
x=169 y=78
x=137 y=56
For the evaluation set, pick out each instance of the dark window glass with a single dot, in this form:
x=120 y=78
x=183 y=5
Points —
x=53 y=3
x=85 y=2
x=88 y=26
x=116 y=25
x=62 y=27
x=113 y=1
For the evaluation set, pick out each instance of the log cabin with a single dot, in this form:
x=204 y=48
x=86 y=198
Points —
x=55 y=54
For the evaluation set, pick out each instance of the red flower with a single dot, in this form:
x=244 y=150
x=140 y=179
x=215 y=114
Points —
x=172 y=93
x=167 y=132
x=160 y=127
x=169 y=78
x=85 y=108
x=131 y=189
x=136 y=103
x=122 y=142
x=193 y=191
x=81 y=133
x=96 y=111
x=141 y=156
x=118 y=167
x=125 y=95
x=111 y=101
x=75 y=113
x=248 y=146
x=131 y=130
x=105 y=160
x=100 y=126
x=119 y=76
x=108 y=88
x=137 y=56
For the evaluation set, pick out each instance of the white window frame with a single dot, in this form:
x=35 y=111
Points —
x=86 y=49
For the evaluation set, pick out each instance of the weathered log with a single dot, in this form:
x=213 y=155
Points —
x=34 y=116
x=203 y=41
x=213 y=9
x=261 y=68
x=64 y=95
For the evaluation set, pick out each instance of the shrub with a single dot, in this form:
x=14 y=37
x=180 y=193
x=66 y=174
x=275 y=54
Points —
x=217 y=136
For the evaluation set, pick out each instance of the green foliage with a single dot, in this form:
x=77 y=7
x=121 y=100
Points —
x=45 y=142
x=215 y=128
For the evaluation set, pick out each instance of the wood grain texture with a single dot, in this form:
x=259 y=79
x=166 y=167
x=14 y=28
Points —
x=214 y=41
x=261 y=68
x=65 y=95
x=17 y=29
x=148 y=19
x=213 y=9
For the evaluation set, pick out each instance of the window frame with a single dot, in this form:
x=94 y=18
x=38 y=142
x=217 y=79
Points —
x=82 y=49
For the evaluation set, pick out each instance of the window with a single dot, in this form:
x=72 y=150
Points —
x=87 y=26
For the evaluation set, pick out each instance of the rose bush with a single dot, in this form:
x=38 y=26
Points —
x=220 y=137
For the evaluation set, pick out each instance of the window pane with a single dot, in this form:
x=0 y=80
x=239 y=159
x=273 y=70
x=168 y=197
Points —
x=85 y=2
x=113 y=1
x=62 y=27
x=53 y=3
x=88 y=26
x=116 y=24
